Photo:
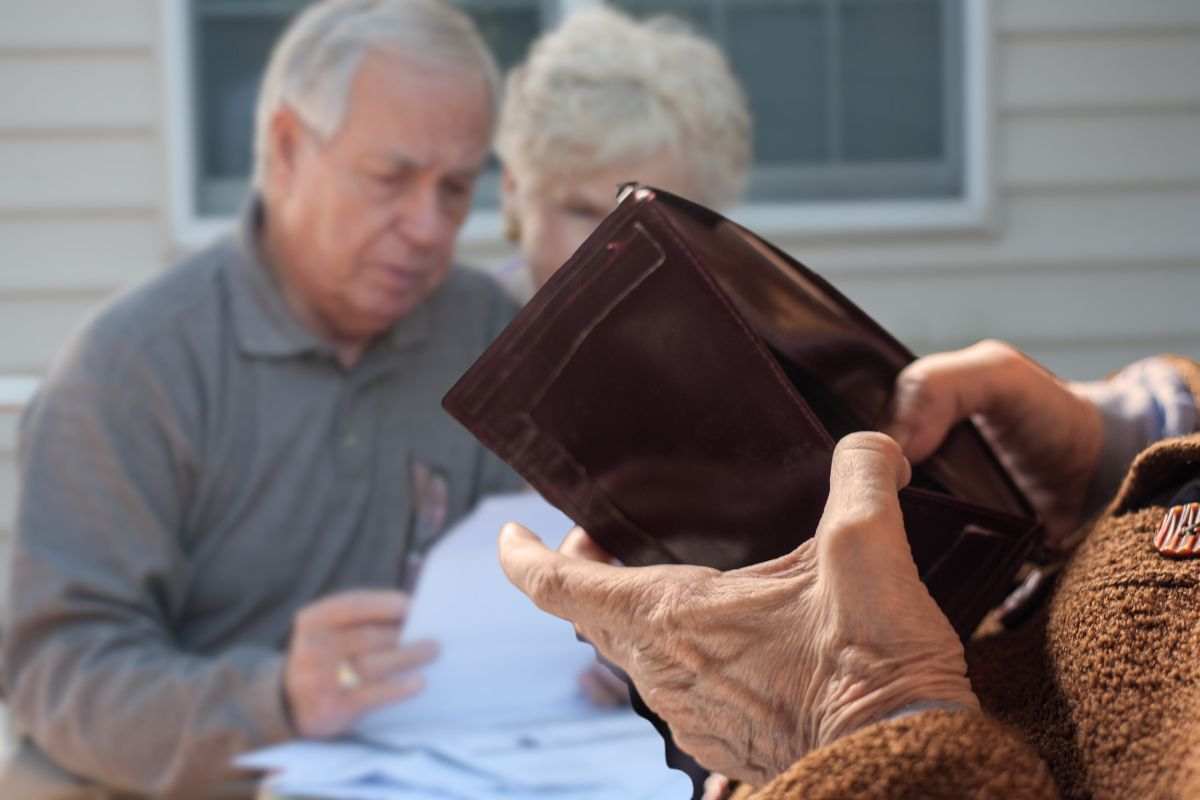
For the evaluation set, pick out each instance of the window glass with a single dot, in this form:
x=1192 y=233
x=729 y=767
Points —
x=852 y=99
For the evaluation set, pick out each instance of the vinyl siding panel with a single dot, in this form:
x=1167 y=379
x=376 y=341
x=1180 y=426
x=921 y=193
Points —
x=40 y=324
x=71 y=24
x=1123 y=17
x=1121 y=74
x=49 y=252
x=1097 y=151
x=8 y=500
x=93 y=91
x=72 y=172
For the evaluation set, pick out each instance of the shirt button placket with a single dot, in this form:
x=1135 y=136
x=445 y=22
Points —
x=351 y=438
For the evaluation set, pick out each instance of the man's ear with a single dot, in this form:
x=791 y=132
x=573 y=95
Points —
x=285 y=133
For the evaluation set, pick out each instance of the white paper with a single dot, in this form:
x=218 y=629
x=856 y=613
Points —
x=502 y=715
x=502 y=661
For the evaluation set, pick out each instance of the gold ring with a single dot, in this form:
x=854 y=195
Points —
x=348 y=678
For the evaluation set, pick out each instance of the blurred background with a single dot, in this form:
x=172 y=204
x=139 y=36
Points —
x=1018 y=169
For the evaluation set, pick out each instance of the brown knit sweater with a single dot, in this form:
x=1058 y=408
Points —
x=1098 y=696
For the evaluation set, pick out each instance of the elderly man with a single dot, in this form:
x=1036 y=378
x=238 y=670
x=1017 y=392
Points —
x=230 y=470
x=831 y=673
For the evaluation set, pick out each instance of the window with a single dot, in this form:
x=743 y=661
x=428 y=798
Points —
x=856 y=102
x=851 y=98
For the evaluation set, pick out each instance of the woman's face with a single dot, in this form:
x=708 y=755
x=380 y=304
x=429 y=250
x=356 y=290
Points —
x=555 y=214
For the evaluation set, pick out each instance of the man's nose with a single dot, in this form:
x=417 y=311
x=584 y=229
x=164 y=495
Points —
x=419 y=216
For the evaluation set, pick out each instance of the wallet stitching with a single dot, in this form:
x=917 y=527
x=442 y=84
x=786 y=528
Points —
x=597 y=319
x=477 y=386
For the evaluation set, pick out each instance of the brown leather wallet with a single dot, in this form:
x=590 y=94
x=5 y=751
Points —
x=677 y=389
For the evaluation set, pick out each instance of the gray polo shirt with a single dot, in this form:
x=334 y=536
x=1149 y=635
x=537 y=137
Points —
x=196 y=467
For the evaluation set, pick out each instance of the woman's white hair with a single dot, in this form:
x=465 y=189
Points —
x=604 y=90
x=313 y=65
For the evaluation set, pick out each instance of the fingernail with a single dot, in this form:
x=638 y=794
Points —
x=516 y=530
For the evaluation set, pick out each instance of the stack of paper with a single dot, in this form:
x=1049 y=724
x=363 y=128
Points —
x=502 y=715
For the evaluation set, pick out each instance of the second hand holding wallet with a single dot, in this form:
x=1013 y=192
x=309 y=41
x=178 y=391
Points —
x=677 y=388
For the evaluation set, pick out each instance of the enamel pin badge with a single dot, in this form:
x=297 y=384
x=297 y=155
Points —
x=1179 y=534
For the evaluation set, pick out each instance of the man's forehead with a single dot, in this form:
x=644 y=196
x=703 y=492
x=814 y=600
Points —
x=387 y=75
x=413 y=116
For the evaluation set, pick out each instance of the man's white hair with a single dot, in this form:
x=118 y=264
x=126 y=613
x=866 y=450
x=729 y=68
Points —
x=605 y=90
x=313 y=65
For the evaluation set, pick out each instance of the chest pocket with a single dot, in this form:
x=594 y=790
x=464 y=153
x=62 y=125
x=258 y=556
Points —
x=429 y=511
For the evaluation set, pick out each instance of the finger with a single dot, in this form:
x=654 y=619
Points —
x=384 y=665
x=582 y=592
x=355 y=607
x=357 y=640
x=374 y=695
x=579 y=544
x=936 y=392
x=865 y=477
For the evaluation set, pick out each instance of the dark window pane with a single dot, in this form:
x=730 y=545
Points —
x=507 y=27
x=780 y=52
x=891 y=79
x=230 y=57
x=851 y=98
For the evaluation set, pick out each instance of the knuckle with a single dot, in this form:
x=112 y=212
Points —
x=853 y=532
x=997 y=353
x=546 y=584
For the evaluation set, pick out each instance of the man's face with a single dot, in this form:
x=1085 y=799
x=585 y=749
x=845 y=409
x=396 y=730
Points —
x=557 y=214
x=362 y=225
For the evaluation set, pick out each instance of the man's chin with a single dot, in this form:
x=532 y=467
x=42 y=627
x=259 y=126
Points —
x=382 y=318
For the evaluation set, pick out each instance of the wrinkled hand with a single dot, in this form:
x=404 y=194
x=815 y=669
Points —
x=755 y=667
x=1047 y=437
x=362 y=629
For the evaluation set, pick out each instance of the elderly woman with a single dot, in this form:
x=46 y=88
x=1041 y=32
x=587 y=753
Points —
x=603 y=100
x=831 y=673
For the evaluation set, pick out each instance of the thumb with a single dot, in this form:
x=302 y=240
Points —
x=934 y=393
x=577 y=590
x=869 y=468
x=863 y=554
x=865 y=477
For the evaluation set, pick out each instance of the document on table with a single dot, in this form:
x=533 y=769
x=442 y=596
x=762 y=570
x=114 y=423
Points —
x=502 y=714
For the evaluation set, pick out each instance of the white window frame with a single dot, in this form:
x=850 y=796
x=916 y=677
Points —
x=972 y=212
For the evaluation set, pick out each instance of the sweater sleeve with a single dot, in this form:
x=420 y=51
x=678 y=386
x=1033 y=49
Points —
x=928 y=755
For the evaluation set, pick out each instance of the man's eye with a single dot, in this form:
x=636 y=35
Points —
x=389 y=178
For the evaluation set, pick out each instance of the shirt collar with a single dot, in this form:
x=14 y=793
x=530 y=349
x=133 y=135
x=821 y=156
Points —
x=267 y=327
